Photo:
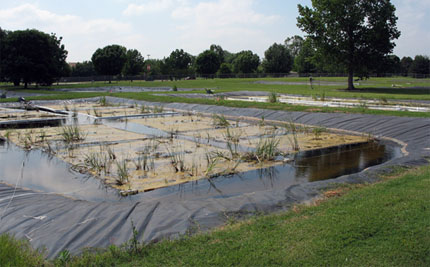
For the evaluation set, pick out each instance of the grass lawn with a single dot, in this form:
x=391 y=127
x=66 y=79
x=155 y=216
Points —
x=383 y=224
x=381 y=90
x=374 y=88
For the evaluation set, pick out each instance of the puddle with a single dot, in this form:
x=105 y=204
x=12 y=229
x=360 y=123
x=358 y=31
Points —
x=47 y=174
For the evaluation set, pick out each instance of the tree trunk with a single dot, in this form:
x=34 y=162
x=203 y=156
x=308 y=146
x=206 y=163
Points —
x=25 y=85
x=350 y=78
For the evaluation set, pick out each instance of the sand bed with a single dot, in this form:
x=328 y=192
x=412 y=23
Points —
x=196 y=146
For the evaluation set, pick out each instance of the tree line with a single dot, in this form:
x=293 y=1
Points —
x=296 y=54
x=355 y=38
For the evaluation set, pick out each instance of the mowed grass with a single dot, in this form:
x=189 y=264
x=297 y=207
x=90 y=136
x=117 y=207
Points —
x=164 y=98
x=383 y=224
x=374 y=88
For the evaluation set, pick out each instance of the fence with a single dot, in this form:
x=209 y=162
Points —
x=173 y=77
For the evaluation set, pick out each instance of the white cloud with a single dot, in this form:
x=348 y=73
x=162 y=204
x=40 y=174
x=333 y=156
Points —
x=81 y=37
x=151 y=6
x=233 y=24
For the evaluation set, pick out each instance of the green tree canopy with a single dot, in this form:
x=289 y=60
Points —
x=33 y=56
x=207 y=62
x=84 y=69
x=406 y=63
x=355 y=34
x=389 y=64
x=134 y=63
x=219 y=51
x=2 y=51
x=109 y=60
x=294 y=44
x=179 y=62
x=304 y=62
x=225 y=69
x=179 y=59
x=246 y=62
x=421 y=65
x=277 y=59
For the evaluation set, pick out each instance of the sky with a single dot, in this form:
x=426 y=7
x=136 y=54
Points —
x=157 y=27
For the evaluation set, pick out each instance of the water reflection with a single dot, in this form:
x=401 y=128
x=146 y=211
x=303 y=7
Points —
x=320 y=165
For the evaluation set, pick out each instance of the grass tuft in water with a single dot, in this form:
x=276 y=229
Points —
x=72 y=134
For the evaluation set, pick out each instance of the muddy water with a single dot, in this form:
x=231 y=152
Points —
x=51 y=175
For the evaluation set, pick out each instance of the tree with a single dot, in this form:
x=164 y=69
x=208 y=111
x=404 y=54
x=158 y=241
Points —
x=406 y=63
x=389 y=64
x=207 y=63
x=355 y=34
x=33 y=56
x=246 y=62
x=134 y=63
x=304 y=61
x=224 y=69
x=2 y=51
x=219 y=51
x=179 y=62
x=109 y=60
x=84 y=69
x=277 y=59
x=294 y=44
x=421 y=65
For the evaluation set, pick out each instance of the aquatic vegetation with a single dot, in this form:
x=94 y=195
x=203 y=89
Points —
x=122 y=172
x=266 y=149
x=72 y=133
x=273 y=97
x=220 y=121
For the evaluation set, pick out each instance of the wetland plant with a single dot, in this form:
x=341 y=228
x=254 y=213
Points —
x=158 y=109
x=262 y=123
x=7 y=134
x=177 y=160
x=266 y=149
x=233 y=140
x=111 y=153
x=72 y=133
x=317 y=131
x=211 y=162
x=273 y=97
x=122 y=172
x=294 y=141
x=95 y=162
x=220 y=121
x=103 y=101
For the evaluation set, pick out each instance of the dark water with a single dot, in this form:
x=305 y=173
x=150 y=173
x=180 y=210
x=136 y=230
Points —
x=50 y=175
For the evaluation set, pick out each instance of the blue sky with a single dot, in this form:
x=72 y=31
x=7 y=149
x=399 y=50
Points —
x=156 y=27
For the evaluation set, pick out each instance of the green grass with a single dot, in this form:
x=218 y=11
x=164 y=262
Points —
x=239 y=104
x=383 y=224
x=375 y=88
x=15 y=252
x=372 y=88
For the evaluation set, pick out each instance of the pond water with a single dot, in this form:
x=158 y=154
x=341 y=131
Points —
x=38 y=171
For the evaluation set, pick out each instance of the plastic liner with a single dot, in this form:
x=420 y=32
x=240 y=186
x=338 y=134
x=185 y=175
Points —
x=58 y=223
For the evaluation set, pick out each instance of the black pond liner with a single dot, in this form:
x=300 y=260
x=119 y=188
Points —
x=32 y=123
x=57 y=222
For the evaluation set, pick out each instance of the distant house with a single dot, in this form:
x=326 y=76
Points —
x=72 y=64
